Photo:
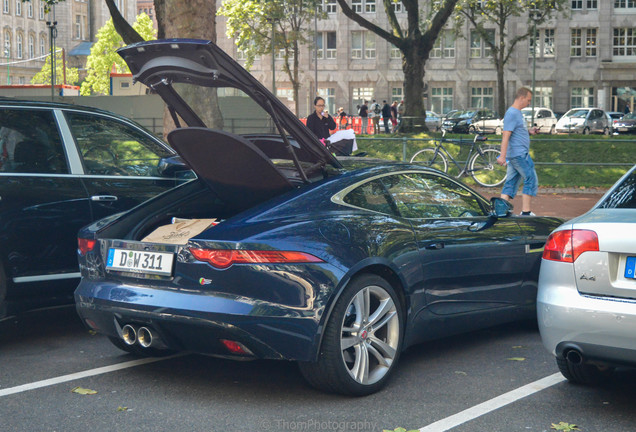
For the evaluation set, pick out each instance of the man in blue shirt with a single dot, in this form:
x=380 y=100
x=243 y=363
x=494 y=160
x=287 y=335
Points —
x=515 y=146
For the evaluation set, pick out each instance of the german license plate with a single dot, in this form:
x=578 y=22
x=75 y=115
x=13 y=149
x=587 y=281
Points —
x=630 y=268
x=159 y=263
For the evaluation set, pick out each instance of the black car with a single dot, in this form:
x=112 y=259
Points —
x=62 y=167
x=626 y=124
x=338 y=264
x=473 y=120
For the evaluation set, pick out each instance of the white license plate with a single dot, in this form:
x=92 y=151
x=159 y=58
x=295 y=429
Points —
x=140 y=261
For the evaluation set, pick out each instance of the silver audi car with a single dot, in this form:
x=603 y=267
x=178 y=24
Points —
x=586 y=302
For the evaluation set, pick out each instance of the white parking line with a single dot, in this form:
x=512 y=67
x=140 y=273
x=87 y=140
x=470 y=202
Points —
x=78 y=375
x=493 y=404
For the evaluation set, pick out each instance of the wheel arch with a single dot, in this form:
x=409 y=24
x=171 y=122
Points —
x=377 y=267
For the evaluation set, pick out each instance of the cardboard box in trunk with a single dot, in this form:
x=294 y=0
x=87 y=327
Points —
x=179 y=231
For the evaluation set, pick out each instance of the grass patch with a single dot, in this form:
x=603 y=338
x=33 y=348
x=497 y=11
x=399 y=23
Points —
x=596 y=156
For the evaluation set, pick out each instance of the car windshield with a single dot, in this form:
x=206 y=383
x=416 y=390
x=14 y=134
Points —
x=630 y=116
x=623 y=196
x=577 y=113
x=527 y=112
x=464 y=114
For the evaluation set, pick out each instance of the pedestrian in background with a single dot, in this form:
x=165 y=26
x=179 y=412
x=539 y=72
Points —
x=386 y=116
x=394 y=115
x=320 y=122
x=363 y=112
x=375 y=112
x=400 y=114
x=515 y=153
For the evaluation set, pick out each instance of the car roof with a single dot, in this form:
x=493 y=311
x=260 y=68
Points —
x=25 y=103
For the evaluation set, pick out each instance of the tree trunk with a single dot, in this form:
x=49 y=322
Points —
x=193 y=19
x=501 y=92
x=413 y=68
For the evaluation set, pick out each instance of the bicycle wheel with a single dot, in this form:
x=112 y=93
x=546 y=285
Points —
x=431 y=158
x=485 y=169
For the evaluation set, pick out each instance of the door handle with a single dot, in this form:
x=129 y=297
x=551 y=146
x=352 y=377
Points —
x=103 y=198
x=434 y=246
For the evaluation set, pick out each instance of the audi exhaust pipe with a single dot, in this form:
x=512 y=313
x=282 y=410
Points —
x=145 y=337
x=129 y=334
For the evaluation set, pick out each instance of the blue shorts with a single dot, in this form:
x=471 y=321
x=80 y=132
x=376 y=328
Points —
x=521 y=168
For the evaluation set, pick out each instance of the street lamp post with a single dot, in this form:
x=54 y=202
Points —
x=52 y=25
x=7 y=53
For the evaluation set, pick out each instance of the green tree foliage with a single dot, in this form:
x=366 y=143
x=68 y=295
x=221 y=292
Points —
x=103 y=56
x=489 y=17
x=44 y=76
x=250 y=22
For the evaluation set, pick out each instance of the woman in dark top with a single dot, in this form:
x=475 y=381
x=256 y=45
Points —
x=318 y=122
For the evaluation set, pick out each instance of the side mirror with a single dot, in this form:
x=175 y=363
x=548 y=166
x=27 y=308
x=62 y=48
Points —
x=173 y=167
x=499 y=207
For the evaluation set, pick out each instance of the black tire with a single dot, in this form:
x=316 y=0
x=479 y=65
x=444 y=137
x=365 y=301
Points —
x=138 y=351
x=583 y=373
x=484 y=168
x=428 y=157
x=553 y=130
x=370 y=354
x=606 y=131
x=586 y=131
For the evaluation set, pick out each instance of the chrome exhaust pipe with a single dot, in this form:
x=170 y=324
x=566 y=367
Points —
x=574 y=357
x=129 y=334
x=144 y=336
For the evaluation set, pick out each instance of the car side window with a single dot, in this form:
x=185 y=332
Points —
x=30 y=142
x=424 y=196
x=110 y=147
x=371 y=196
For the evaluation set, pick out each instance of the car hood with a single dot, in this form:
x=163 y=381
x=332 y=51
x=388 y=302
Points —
x=158 y=64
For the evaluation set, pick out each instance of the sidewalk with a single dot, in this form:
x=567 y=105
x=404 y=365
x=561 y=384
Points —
x=564 y=203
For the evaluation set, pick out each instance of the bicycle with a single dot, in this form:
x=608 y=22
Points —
x=481 y=163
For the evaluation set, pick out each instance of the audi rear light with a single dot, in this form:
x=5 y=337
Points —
x=85 y=245
x=568 y=245
x=223 y=258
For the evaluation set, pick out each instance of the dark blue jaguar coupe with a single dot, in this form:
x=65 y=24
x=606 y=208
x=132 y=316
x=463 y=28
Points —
x=338 y=264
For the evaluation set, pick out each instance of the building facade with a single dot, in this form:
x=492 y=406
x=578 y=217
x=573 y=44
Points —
x=586 y=60
x=27 y=29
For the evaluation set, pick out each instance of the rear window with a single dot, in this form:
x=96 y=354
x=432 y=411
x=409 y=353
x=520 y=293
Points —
x=624 y=196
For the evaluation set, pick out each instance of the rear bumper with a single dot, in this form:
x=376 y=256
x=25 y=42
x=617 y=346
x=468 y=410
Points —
x=601 y=328
x=196 y=322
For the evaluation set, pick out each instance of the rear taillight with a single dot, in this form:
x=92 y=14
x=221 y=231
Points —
x=567 y=245
x=223 y=258
x=85 y=245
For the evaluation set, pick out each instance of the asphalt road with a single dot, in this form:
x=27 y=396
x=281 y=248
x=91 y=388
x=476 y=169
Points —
x=500 y=379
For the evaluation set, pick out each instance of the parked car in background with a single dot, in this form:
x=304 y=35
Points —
x=433 y=121
x=474 y=120
x=584 y=121
x=336 y=263
x=586 y=303
x=626 y=124
x=615 y=115
x=62 y=167
x=544 y=119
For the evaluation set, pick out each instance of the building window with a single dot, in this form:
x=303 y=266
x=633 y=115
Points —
x=327 y=39
x=369 y=45
x=285 y=93
x=356 y=5
x=369 y=6
x=356 y=45
x=5 y=6
x=42 y=46
x=398 y=7
x=329 y=6
x=397 y=94
x=545 y=44
x=19 y=46
x=78 y=26
x=624 y=42
x=329 y=95
x=280 y=54
x=30 y=9
x=444 y=45
x=582 y=97
x=624 y=4
x=478 y=46
x=362 y=43
x=543 y=97
x=395 y=53
x=361 y=94
x=41 y=9
x=592 y=4
x=577 y=4
x=31 y=47
x=575 y=43
x=482 y=97
x=441 y=99
x=590 y=43
x=7 y=42
x=18 y=7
